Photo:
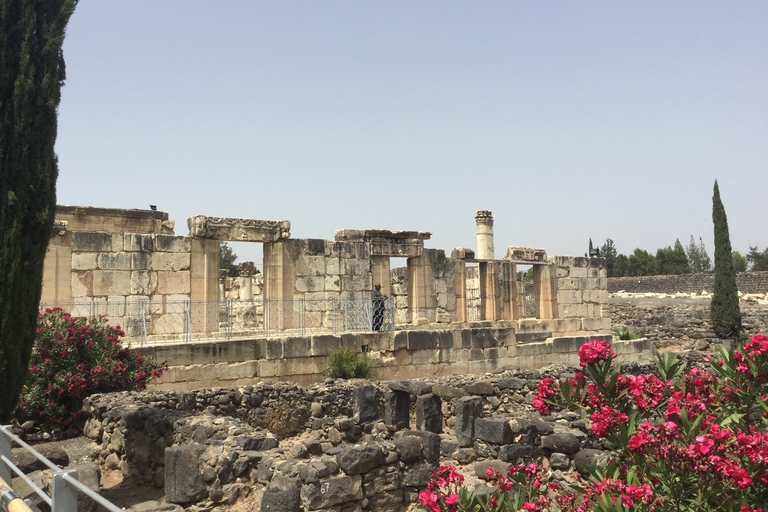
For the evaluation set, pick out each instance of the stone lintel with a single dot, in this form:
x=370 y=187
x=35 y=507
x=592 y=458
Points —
x=238 y=230
x=397 y=247
x=463 y=253
x=526 y=254
x=366 y=235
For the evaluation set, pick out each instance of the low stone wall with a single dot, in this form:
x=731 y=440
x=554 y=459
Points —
x=335 y=446
x=485 y=347
x=681 y=323
x=748 y=282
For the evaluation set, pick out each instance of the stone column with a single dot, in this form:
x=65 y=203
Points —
x=544 y=290
x=484 y=219
x=460 y=291
x=489 y=290
x=204 y=279
x=508 y=292
x=279 y=284
x=246 y=281
x=223 y=275
x=421 y=295
x=381 y=273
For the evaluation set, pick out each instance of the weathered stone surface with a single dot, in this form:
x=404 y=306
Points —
x=429 y=415
x=563 y=442
x=366 y=404
x=29 y=463
x=430 y=444
x=589 y=457
x=409 y=449
x=238 y=230
x=418 y=475
x=332 y=491
x=282 y=495
x=481 y=468
x=183 y=480
x=480 y=387
x=511 y=453
x=468 y=409
x=397 y=409
x=493 y=430
x=559 y=461
x=257 y=443
x=360 y=459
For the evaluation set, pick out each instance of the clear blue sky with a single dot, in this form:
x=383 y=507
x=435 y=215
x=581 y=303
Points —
x=569 y=120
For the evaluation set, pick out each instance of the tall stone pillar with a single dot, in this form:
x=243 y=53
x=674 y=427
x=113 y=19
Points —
x=381 y=273
x=279 y=284
x=484 y=219
x=223 y=275
x=204 y=279
x=421 y=295
x=544 y=291
x=508 y=283
x=246 y=282
x=489 y=290
x=460 y=290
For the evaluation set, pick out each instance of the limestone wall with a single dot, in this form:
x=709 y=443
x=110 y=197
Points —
x=748 y=282
x=526 y=344
x=129 y=265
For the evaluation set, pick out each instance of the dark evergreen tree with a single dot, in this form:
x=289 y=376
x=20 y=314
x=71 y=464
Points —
x=698 y=259
x=608 y=251
x=672 y=261
x=227 y=260
x=31 y=76
x=724 y=312
x=739 y=262
x=758 y=260
x=641 y=263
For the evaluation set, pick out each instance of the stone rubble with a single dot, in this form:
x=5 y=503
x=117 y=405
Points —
x=341 y=445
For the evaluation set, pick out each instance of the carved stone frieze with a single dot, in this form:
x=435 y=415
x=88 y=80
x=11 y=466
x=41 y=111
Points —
x=59 y=227
x=238 y=230
x=526 y=254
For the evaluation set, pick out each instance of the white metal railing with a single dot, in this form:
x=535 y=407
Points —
x=155 y=322
x=64 y=484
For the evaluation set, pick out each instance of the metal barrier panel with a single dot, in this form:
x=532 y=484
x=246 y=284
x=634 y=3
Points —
x=184 y=321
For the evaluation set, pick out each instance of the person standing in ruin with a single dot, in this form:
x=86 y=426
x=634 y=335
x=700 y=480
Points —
x=377 y=298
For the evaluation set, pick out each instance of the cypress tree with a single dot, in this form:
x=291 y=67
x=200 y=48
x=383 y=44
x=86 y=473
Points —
x=31 y=76
x=724 y=312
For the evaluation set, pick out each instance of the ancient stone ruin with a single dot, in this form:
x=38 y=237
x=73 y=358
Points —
x=222 y=424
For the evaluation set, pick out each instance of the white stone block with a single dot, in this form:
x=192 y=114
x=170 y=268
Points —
x=170 y=243
x=143 y=282
x=579 y=272
x=84 y=261
x=332 y=283
x=356 y=267
x=310 y=265
x=117 y=242
x=170 y=261
x=114 y=261
x=111 y=282
x=310 y=284
x=569 y=296
x=332 y=266
x=170 y=283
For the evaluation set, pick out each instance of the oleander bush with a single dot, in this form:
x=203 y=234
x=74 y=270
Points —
x=74 y=357
x=691 y=441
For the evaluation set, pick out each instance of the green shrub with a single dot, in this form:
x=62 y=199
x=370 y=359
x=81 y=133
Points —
x=626 y=334
x=74 y=357
x=345 y=363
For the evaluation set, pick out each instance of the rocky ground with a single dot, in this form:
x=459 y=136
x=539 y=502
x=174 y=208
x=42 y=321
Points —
x=673 y=323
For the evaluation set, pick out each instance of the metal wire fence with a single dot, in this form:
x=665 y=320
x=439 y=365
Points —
x=155 y=322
